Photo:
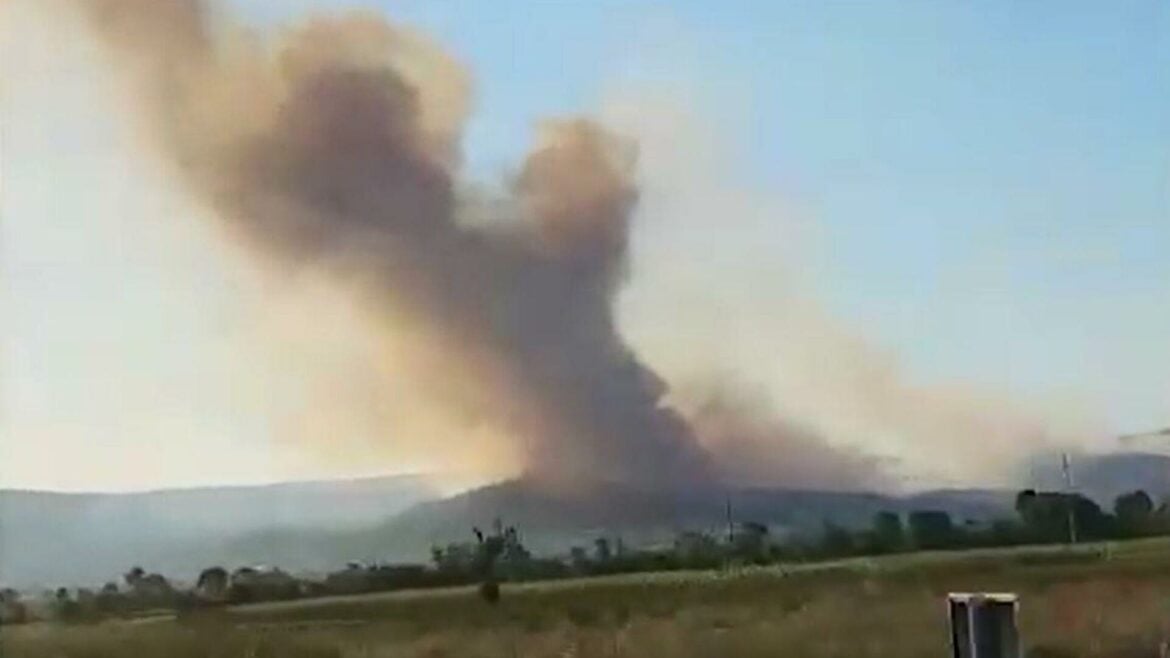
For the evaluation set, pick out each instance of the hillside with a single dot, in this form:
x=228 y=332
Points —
x=551 y=521
x=320 y=526
x=1104 y=477
x=48 y=538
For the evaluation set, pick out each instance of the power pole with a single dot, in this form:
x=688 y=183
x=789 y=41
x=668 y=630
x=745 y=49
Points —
x=1066 y=467
x=730 y=524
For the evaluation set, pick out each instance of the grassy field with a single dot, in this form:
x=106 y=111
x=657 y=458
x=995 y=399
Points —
x=1092 y=601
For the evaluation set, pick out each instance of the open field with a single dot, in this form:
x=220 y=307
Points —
x=1101 y=600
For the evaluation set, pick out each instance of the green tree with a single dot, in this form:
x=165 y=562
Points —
x=889 y=535
x=602 y=551
x=1047 y=516
x=751 y=541
x=212 y=584
x=1024 y=502
x=134 y=576
x=697 y=550
x=12 y=609
x=932 y=529
x=1134 y=512
x=64 y=607
x=836 y=540
x=579 y=559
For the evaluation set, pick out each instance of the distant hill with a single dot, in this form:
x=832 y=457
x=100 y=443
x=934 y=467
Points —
x=1109 y=476
x=48 y=538
x=1106 y=476
x=554 y=520
x=551 y=521
x=53 y=538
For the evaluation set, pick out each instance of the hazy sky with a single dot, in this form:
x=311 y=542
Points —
x=981 y=190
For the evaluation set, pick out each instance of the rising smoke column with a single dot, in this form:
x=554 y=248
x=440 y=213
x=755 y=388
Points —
x=335 y=148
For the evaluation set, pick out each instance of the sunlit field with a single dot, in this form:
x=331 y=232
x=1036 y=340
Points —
x=1101 y=600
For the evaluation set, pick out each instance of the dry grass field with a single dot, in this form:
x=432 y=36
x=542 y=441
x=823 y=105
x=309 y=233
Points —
x=1094 y=601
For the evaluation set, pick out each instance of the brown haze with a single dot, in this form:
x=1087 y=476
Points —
x=331 y=155
x=770 y=339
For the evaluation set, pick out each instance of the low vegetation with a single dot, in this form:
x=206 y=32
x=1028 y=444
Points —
x=1092 y=601
x=500 y=556
x=875 y=591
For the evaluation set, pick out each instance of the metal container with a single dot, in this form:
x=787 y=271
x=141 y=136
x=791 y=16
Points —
x=983 y=625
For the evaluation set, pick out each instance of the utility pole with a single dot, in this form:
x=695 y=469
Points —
x=1066 y=467
x=730 y=524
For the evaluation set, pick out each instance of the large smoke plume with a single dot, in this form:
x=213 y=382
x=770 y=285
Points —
x=332 y=152
x=337 y=147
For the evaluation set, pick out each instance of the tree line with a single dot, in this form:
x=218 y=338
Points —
x=499 y=555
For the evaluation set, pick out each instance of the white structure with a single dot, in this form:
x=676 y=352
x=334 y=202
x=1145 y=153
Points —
x=983 y=625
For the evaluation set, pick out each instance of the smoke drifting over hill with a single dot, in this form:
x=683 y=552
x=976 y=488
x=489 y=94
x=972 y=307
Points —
x=333 y=151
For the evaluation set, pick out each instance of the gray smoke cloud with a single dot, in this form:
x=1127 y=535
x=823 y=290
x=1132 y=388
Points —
x=335 y=148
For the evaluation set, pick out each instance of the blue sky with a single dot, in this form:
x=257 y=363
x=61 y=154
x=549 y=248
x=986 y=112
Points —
x=991 y=180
